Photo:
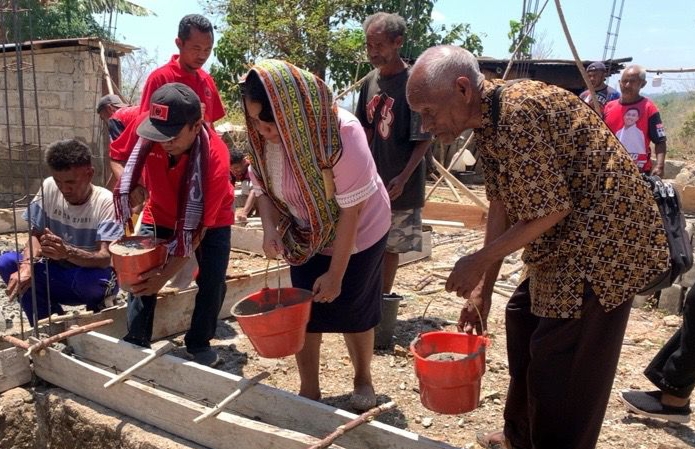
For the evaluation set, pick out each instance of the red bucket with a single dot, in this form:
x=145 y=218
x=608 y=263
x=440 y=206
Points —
x=134 y=255
x=275 y=320
x=449 y=366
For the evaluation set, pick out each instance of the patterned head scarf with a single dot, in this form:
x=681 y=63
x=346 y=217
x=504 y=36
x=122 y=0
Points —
x=307 y=121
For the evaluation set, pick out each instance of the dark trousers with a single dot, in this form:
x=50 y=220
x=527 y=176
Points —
x=561 y=372
x=672 y=370
x=213 y=256
x=59 y=284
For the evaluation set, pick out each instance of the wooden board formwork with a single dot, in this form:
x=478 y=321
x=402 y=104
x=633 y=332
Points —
x=14 y=368
x=173 y=312
x=251 y=239
x=472 y=216
x=263 y=417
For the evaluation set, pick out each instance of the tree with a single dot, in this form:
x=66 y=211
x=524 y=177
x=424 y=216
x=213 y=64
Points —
x=323 y=36
x=59 y=19
x=136 y=67
x=521 y=35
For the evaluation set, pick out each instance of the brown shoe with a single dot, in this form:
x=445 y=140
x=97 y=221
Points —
x=493 y=440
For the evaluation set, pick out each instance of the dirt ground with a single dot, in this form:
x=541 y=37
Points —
x=422 y=283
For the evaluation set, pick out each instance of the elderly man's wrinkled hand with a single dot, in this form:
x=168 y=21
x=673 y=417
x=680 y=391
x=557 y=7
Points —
x=467 y=273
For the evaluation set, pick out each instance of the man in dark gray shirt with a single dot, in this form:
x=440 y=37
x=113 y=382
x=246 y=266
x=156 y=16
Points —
x=394 y=133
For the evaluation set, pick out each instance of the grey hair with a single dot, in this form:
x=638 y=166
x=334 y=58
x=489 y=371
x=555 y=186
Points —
x=393 y=24
x=641 y=71
x=443 y=64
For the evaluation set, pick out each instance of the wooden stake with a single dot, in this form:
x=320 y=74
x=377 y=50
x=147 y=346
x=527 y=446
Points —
x=166 y=347
x=46 y=342
x=246 y=385
x=465 y=190
x=363 y=418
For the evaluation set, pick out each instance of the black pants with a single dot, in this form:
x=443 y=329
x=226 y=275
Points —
x=213 y=257
x=561 y=372
x=673 y=368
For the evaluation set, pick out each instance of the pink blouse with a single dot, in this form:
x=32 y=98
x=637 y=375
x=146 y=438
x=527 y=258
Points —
x=356 y=181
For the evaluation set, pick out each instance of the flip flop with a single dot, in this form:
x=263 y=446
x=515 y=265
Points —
x=491 y=440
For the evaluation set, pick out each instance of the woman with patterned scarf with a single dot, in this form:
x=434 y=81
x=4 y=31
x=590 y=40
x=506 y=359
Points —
x=323 y=208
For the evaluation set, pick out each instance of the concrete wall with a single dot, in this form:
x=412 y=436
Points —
x=58 y=101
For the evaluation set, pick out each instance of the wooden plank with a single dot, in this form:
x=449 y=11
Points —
x=167 y=411
x=465 y=190
x=248 y=239
x=8 y=219
x=14 y=369
x=412 y=256
x=264 y=403
x=471 y=215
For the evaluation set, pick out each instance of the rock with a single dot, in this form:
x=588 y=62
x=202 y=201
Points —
x=427 y=422
x=461 y=423
x=672 y=321
x=671 y=299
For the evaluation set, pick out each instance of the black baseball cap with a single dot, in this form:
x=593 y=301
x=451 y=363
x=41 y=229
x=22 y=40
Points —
x=107 y=100
x=172 y=106
x=596 y=66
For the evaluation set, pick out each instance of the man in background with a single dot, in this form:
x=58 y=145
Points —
x=239 y=173
x=604 y=93
x=394 y=136
x=116 y=115
x=648 y=120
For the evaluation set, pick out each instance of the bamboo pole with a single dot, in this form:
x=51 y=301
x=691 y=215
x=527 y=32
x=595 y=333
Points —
x=105 y=67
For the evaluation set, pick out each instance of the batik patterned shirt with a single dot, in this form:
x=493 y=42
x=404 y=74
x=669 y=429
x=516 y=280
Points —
x=551 y=153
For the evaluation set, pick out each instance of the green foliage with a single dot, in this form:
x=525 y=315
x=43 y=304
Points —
x=518 y=33
x=677 y=110
x=323 y=36
x=62 y=19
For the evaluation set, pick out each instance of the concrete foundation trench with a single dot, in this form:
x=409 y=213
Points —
x=53 y=418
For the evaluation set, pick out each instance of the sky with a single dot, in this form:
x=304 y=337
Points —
x=655 y=36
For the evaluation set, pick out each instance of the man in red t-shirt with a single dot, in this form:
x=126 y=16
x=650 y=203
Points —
x=117 y=115
x=185 y=169
x=195 y=41
x=636 y=121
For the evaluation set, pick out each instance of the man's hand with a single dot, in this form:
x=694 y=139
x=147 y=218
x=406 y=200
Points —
x=137 y=196
x=395 y=187
x=658 y=170
x=476 y=308
x=53 y=246
x=466 y=275
x=151 y=282
x=241 y=216
x=19 y=282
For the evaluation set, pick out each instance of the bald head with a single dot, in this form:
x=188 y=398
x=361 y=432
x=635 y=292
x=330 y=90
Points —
x=444 y=87
x=439 y=67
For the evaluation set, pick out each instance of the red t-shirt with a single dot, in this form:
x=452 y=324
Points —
x=162 y=183
x=120 y=148
x=636 y=125
x=200 y=81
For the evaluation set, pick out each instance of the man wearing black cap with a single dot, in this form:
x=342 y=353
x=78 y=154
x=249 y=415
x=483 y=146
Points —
x=184 y=168
x=604 y=93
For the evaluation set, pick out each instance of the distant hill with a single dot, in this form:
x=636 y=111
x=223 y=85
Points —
x=678 y=114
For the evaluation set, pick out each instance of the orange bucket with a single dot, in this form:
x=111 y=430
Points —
x=131 y=256
x=275 y=320
x=449 y=366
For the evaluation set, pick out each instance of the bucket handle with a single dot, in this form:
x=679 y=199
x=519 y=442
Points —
x=267 y=268
x=422 y=318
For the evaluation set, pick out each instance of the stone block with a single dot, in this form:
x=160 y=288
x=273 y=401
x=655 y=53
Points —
x=45 y=63
x=56 y=117
x=640 y=301
x=65 y=64
x=50 y=100
x=687 y=279
x=672 y=168
x=671 y=299
x=62 y=83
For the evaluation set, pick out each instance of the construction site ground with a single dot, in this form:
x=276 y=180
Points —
x=421 y=283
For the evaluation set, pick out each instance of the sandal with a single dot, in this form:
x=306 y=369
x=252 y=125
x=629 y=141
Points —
x=492 y=440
